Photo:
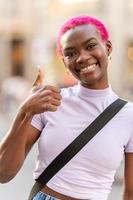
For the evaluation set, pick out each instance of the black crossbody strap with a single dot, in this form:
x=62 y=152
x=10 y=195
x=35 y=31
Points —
x=72 y=149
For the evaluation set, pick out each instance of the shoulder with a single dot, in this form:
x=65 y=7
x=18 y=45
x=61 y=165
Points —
x=128 y=109
x=129 y=105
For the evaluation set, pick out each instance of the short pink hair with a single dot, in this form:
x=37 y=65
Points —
x=80 y=20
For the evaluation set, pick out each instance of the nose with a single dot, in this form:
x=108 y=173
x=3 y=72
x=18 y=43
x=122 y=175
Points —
x=83 y=57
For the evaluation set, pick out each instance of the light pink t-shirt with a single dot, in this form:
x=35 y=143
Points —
x=90 y=174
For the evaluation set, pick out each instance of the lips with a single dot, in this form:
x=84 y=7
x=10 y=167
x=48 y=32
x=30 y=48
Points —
x=88 y=69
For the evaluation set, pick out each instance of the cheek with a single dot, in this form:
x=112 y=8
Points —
x=68 y=63
x=65 y=63
x=102 y=55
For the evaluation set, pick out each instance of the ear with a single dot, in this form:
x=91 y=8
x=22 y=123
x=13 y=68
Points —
x=109 y=47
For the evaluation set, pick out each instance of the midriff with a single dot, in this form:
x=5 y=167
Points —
x=55 y=194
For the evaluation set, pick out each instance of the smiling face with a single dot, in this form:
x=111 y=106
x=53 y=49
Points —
x=85 y=54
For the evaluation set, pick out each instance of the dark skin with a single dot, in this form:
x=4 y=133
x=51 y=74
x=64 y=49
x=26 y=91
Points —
x=85 y=54
x=21 y=136
x=128 y=177
x=83 y=47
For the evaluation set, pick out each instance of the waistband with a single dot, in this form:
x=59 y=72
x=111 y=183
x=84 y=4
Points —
x=42 y=196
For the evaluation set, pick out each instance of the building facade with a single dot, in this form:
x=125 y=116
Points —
x=28 y=32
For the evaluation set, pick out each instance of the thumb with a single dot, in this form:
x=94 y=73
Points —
x=40 y=77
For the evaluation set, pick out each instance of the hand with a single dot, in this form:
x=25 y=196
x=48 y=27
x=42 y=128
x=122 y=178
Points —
x=39 y=79
x=42 y=98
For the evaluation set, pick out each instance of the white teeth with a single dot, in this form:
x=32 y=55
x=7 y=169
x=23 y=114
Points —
x=88 y=69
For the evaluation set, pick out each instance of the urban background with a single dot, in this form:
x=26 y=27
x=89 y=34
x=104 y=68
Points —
x=28 y=30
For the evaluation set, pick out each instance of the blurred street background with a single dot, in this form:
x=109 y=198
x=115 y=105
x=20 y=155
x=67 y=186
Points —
x=28 y=31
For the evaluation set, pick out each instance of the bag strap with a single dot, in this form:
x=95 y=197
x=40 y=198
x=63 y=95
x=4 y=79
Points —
x=73 y=148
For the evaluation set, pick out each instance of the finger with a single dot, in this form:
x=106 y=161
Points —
x=50 y=107
x=57 y=96
x=50 y=94
x=40 y=77
x=52 y=88
x=55 y=102
x=35 y=88
x=51 y=100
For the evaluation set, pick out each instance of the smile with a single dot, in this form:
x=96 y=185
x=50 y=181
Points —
x=88 y=69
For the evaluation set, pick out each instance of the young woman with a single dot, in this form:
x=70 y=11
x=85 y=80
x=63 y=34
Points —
x=61 y=115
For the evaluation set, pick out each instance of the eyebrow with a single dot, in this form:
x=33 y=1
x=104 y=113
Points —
x=71 y=48
x=68 y=48
x=89 y=40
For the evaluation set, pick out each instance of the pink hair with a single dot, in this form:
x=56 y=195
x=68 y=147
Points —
x=80 y=20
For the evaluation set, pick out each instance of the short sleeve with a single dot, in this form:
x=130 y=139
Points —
x=37 y=122
x=129 y=146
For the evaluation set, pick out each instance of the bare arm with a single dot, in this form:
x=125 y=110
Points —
x=21 y=136
x=128 y=177
x=15 y=146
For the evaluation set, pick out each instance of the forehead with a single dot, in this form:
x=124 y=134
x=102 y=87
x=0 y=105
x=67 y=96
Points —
x=80 y=33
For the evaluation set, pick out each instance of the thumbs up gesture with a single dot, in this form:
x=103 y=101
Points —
x=40 y=78
x=42 y=98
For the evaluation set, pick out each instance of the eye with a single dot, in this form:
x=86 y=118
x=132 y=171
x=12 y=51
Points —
x=91 y=46
x=69 y=54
